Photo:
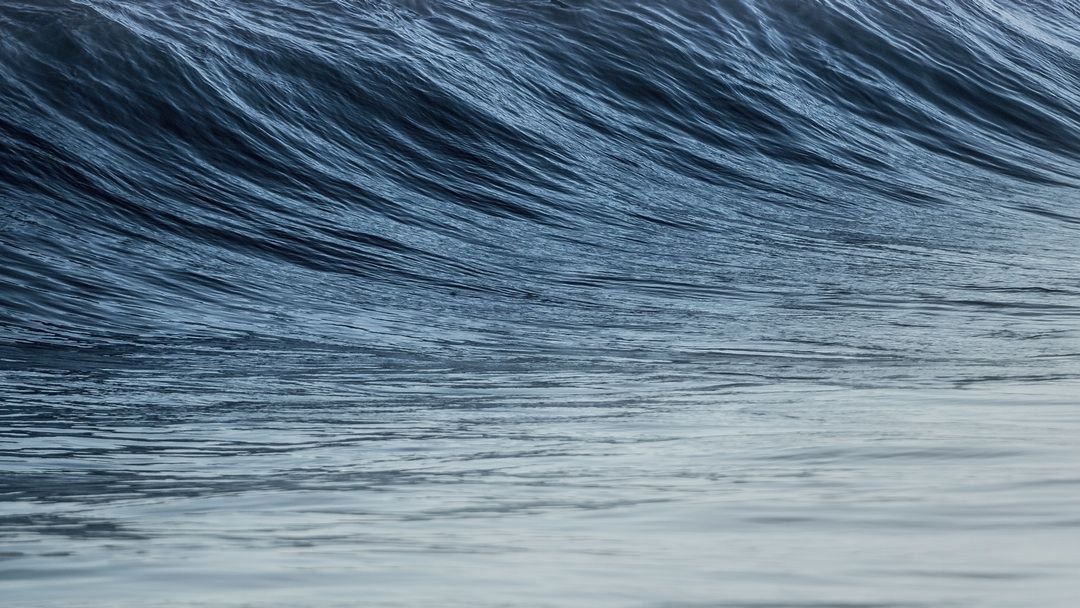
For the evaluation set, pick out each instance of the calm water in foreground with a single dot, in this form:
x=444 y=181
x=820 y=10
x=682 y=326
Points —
x=552 y=494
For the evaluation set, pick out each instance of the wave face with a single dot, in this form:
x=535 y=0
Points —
x=892 y=185
x=277 y=257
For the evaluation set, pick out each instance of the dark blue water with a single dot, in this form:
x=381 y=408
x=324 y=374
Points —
x=540 y=303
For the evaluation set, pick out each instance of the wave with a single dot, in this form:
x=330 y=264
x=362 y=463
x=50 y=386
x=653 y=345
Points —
x=843 y=189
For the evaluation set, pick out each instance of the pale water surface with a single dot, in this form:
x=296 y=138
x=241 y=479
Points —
x=568 y=494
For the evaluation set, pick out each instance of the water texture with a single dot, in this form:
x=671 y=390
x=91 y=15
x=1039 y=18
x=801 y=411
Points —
x=747 y=303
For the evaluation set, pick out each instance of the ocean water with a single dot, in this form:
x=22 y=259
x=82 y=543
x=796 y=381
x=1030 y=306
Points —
x=682 y=304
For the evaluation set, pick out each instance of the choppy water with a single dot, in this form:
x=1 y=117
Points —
x=735 y=303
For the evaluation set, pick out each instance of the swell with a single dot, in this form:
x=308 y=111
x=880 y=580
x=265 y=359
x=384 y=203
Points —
x=691 y=178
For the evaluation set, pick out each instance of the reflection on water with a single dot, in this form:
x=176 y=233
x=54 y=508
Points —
x=506 y=489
